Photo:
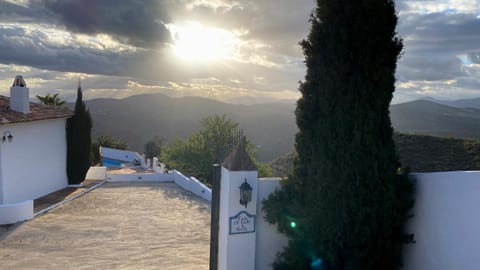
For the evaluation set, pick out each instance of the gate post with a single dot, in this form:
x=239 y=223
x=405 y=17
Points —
x=238 y=209
x=215 y=215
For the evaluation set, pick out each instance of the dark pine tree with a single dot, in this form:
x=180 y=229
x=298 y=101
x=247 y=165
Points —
x=79 y=128
x=347 y=202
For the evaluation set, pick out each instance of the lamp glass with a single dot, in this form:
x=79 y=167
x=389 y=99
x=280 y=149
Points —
x=245 y=193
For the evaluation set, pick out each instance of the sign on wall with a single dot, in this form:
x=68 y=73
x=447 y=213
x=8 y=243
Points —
x=242 y=222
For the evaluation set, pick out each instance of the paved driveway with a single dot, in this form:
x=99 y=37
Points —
x=116 y=226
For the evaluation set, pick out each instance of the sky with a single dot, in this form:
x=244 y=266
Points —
x=237 y=51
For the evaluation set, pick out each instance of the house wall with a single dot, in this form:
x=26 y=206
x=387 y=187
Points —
x=34 y=163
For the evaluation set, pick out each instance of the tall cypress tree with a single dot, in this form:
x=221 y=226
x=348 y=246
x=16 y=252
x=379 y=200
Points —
x=346 y=204
x=79 y=128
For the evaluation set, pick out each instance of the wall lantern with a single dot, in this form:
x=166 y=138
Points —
x=7 y=136
x=245 y=193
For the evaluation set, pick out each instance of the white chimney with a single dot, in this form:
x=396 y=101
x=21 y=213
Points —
x=19 y=96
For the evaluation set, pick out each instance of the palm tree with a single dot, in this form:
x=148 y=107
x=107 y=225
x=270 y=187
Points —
x=51 y=100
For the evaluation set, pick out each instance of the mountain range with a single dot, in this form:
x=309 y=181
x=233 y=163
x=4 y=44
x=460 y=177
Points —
x=270 y=126
x=136 y=119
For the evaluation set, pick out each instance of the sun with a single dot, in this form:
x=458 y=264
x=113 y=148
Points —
x=198 y=43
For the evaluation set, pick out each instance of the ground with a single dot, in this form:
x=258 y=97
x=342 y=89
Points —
x=116 y=226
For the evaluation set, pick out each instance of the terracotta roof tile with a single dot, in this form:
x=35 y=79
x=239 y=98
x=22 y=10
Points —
x=37 y=112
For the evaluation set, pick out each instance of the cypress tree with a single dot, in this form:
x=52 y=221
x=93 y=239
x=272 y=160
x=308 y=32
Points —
x=79 y=128
x=346 y=204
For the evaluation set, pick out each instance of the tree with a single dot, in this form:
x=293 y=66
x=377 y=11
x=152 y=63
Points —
x=153 y=147
x=51 y=100
x=196 y=155
x=105 y=141
x=79 y=127
x=346 y=204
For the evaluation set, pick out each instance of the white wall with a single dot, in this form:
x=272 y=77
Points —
x=193 y=185
x=188 y=183
x=123 y=155
x=13 y=213
x=140 y=177
x=446 y=222
x=269 y=240
x=96 y=173
x=34 y=163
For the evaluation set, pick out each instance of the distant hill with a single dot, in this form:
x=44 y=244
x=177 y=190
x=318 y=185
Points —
x=138 y=118
x=270 y=126
x=419 y=153
x=430 y=118
x=460 y=103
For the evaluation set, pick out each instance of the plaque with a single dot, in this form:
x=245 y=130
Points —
x=242 y=222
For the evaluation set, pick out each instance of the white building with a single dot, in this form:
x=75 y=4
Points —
x=33 y=146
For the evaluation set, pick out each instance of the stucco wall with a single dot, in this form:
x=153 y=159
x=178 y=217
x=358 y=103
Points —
x=13 y=213
x=193 y=185
x=34 y=163
x=269 y=240
x=236 y=251
x=446 y=222
x=140 y=177
x=123 y=155
x=96 y=173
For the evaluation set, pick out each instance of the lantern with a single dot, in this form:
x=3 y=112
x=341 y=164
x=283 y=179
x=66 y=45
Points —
x=245 y=193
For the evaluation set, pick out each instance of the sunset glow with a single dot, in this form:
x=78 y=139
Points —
x=195 y=42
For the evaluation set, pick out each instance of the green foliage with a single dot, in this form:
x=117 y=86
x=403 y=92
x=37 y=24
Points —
x=79 y=128
x=419 y=153
x=51 y=100
x=196 y=155
x=345 y=196
x=105 y=141
x=153 y=147
x=422 y=153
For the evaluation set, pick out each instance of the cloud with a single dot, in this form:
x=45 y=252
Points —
x=120 y=41
x=437 y=43
x=27 y=45
x=139 y=23
x=438 y=6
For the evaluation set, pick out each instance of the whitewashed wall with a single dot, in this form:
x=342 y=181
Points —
x=34 y=163
x=96 y=173
x=269 y=240
x=446 y=222
x=16 y=212
x=123 y=155
x=193 y=185
x=140 y=177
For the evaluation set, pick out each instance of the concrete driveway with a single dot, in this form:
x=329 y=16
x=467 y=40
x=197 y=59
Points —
x=116 y=226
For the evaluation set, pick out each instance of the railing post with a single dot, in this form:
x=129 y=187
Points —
x=215 y=215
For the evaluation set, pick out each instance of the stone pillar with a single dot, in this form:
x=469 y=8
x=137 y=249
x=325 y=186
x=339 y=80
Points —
x=149 y=163
x=163 y=168
x=143 y=162
x=237 y=237
x=155 y=165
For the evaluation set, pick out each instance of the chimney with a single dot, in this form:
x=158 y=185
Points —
x=19 y=96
